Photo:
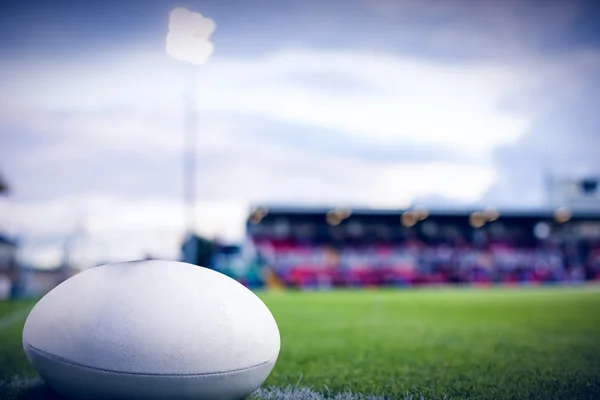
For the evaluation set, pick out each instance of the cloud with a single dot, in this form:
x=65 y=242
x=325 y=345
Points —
x=146 y=161
x=413 y=100
x=493 y=30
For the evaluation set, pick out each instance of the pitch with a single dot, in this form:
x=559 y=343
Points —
x=526 y=343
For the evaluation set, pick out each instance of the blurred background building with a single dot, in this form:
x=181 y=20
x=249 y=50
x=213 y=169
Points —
x=8 y=256
x=574 y=192
x=8 y=267
x=18 y=280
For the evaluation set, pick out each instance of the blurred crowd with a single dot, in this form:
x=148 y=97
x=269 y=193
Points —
x=417 y=263
x=481 y=259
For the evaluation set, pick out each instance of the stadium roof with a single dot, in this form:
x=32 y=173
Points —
x=458 y=211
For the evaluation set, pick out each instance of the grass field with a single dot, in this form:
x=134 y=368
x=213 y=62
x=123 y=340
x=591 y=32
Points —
x=454 y=343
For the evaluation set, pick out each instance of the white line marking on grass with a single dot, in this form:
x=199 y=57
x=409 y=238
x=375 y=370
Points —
x=14 y=317
x=17 y=385
x=296 y=393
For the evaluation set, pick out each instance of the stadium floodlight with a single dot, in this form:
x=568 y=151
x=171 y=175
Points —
x=189 y=36
x=189 y=40
x=477 y=219
x=562 y=215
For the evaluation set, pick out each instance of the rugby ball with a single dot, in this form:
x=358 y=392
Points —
x=151 y=330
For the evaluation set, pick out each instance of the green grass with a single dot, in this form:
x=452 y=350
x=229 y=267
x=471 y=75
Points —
x=542 y=343
x=473 y=344
x=12 y=359
x=8 y=307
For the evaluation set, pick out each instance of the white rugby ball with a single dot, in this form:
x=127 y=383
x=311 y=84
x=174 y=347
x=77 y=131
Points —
x=151 y=330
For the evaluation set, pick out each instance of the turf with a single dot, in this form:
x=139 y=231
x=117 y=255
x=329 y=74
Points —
x=8 y=307
x=538 y=343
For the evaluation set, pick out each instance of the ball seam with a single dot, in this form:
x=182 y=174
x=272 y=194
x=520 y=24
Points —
x=64 y=360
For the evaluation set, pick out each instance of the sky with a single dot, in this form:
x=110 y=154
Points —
x=361 y=103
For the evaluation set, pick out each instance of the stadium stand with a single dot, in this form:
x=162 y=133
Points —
x=310 y=247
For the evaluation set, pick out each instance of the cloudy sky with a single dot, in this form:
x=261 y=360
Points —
x=378 y=103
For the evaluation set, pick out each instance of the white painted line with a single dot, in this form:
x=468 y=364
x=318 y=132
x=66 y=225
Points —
x=303 y=393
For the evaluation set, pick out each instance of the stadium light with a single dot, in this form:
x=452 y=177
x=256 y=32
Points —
x=562 y=215
x=333 y=218
x=477 y=219
x=409 y=219
x=344 y=212
x=188 y=40
x=336 y=216
x=491 y=214
x=421 y=213
x=258 y=215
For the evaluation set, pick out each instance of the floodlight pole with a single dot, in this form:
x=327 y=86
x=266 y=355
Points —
x=189 y=151
x=181 y=40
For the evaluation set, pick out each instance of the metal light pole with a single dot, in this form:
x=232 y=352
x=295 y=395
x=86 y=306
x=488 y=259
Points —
x=190 y=145
x=188 y=41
